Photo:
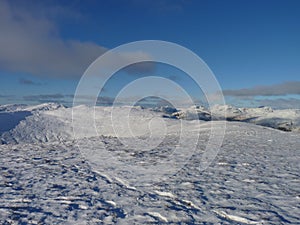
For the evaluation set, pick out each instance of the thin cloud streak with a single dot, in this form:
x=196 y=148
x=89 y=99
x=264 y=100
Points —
x=281 y=103
x=28 y=82
x=49 y=97
x=287 y=88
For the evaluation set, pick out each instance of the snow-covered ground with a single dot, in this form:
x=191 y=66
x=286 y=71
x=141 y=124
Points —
x=45 y=179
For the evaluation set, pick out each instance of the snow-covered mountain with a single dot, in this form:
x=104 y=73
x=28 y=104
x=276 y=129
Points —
x=47 y=179
x=24 y=107
x=284 y=119
x=53 y=122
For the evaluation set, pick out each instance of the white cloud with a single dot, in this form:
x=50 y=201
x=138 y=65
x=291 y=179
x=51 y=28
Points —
x=30 y=43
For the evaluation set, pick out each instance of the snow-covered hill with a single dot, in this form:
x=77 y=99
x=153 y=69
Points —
x=285 y=119
x=45 y=178
x=53 y=122
x=24 y=107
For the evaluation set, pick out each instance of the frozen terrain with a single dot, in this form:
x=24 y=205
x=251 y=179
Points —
x=46 y=180
x=284 y=119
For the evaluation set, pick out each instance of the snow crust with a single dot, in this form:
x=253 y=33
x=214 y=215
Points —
x=45 y=179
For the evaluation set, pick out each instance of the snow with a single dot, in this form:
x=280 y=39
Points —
x=12 y=107
x=53 y=122
x=158 y=216
x=46 y=179
x=165 y=194
x=24 y=107
x=235 y=218
x=284 y=119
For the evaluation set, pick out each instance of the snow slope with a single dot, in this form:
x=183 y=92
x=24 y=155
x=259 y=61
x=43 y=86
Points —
x=32 y=123
x=45 y=178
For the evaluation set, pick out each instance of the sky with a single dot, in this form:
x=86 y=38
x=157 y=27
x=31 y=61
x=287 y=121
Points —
x=252 y=47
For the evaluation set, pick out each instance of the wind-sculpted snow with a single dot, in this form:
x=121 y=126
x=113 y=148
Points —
x=254 y=180
x=46 y=179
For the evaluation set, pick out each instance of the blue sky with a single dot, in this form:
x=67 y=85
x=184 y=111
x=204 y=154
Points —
x=253 y=47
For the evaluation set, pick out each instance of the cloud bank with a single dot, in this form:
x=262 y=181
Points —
x=30 y=43
x=287 y=88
